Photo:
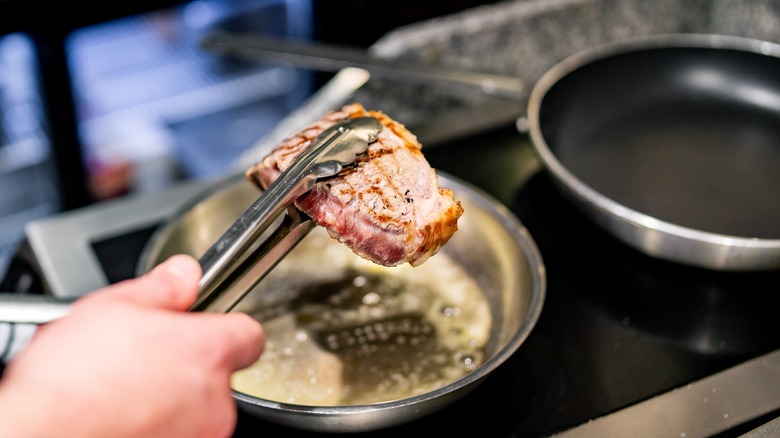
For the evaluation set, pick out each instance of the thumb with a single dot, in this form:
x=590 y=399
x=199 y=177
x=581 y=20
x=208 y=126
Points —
x=172 y=284
x=236 y=339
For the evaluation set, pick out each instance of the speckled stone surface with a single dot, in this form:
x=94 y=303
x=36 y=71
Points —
x=524 y=38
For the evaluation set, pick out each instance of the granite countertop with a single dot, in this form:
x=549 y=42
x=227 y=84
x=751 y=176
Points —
x=524 y=38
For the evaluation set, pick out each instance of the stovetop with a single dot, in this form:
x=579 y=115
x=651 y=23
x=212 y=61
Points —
x=617 y=327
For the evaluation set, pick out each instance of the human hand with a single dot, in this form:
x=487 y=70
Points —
x=129 y=361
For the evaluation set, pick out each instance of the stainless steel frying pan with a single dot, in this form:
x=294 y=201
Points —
x=491 y=246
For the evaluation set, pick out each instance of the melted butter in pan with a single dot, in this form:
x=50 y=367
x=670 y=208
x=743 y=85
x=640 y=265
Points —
x=368 y=334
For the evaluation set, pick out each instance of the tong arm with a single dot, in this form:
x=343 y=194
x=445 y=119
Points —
x=294 y=227
x=335 y=147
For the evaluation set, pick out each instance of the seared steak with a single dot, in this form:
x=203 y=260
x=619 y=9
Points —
x=387 y=206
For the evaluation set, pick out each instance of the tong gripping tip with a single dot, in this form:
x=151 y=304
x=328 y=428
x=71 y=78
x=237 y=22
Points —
x=336 y=147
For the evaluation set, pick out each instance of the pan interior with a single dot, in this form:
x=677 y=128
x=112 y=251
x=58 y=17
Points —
x=685 y=135
x=490 y=249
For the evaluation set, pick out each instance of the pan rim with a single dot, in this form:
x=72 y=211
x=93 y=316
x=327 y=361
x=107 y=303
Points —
x=764 y=252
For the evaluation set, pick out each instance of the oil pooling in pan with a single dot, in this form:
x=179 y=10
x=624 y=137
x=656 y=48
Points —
x=367 y=334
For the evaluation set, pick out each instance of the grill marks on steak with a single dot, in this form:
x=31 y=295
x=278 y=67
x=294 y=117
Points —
x=387 y=206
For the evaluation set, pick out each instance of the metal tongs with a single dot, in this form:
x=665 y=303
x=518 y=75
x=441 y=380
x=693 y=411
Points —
x=245 y=253
x=250 y=248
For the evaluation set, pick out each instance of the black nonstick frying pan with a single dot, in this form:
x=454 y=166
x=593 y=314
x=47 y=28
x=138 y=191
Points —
x=671 y=143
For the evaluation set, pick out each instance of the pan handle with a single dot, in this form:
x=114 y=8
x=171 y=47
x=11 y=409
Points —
x=17 y=308
x=332 y=58
x=32 y=309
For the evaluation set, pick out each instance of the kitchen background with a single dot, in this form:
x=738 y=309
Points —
x=101 y=101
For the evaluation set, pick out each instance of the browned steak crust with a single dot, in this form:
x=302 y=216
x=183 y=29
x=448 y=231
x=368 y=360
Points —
x=388 y=206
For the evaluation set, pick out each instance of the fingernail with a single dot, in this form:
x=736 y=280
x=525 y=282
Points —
x=183 y=266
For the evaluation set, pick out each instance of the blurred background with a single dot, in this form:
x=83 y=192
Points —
x=105 y=106
x=99 y=101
